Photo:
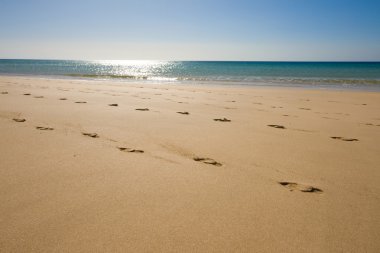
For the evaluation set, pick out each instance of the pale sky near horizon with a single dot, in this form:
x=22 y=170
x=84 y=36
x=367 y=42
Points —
x=257 y=30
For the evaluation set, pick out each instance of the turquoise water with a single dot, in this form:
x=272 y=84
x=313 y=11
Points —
x=321 y=74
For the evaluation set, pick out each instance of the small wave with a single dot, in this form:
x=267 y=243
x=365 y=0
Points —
x=236 y=79
x=108 y=76
x=164 y=79
x=285 y=80
x=328 y=81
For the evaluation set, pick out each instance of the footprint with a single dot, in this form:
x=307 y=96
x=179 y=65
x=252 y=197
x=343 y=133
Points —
x=277 y=126
x=185 y=113
x=38 y=96
x=329 y=118
x=81 y=102
x=303 y=130
x=113 y=105
x=44 y=128
x=207 y=161
x=142 y=109
x=223 y=120
x=231 y=101
x=19 y=120
x=369 y=124
x=4 y=92
x=92 y=135
x=340 y=113
x=299 y=187
x=130 y=150
x=63 y=99
x=27 y=94
x=343 y=138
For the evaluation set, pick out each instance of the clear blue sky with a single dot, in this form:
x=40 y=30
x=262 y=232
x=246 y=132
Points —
x=191 y=30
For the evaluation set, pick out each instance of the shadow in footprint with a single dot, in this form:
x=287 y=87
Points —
x=44 y=128
x=92 y=135
x=113 y=105
x=4 y=92
x=130 y=150
x=142 y=109
x=27 y=94
x=81 y=102
x=329 y=118
x=306 y=109
x=207 y=161
x=19 y=120
x=299 y=187
x=277 y=126
x=223 y=120
x=370 y=124
x=63 y=99
x=38 y=96
x=343 y=138
x=184 y=113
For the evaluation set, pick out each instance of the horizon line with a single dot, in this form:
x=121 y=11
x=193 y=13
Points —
x=295 y=61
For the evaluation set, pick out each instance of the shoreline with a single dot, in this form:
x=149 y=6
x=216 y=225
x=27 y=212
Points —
x=103 y=166
x=220 y=84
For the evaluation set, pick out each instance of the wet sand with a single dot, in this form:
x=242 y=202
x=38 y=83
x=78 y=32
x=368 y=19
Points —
x=101 y=166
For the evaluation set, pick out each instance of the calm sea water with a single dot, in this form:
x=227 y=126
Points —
x=321 y=74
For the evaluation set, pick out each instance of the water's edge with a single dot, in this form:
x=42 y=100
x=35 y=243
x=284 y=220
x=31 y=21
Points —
x=319 y=75
x=196 y=83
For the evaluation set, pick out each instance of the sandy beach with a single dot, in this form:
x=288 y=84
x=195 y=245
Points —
x=102 y=166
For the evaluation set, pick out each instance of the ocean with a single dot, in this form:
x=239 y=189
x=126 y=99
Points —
x=346 y=75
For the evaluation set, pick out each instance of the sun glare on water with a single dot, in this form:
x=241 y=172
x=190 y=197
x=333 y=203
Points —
x=134 y=68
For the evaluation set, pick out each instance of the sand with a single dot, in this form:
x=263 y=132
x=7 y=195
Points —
x=101 y=166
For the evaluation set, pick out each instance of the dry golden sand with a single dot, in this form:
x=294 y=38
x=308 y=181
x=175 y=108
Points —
x=81 y=174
